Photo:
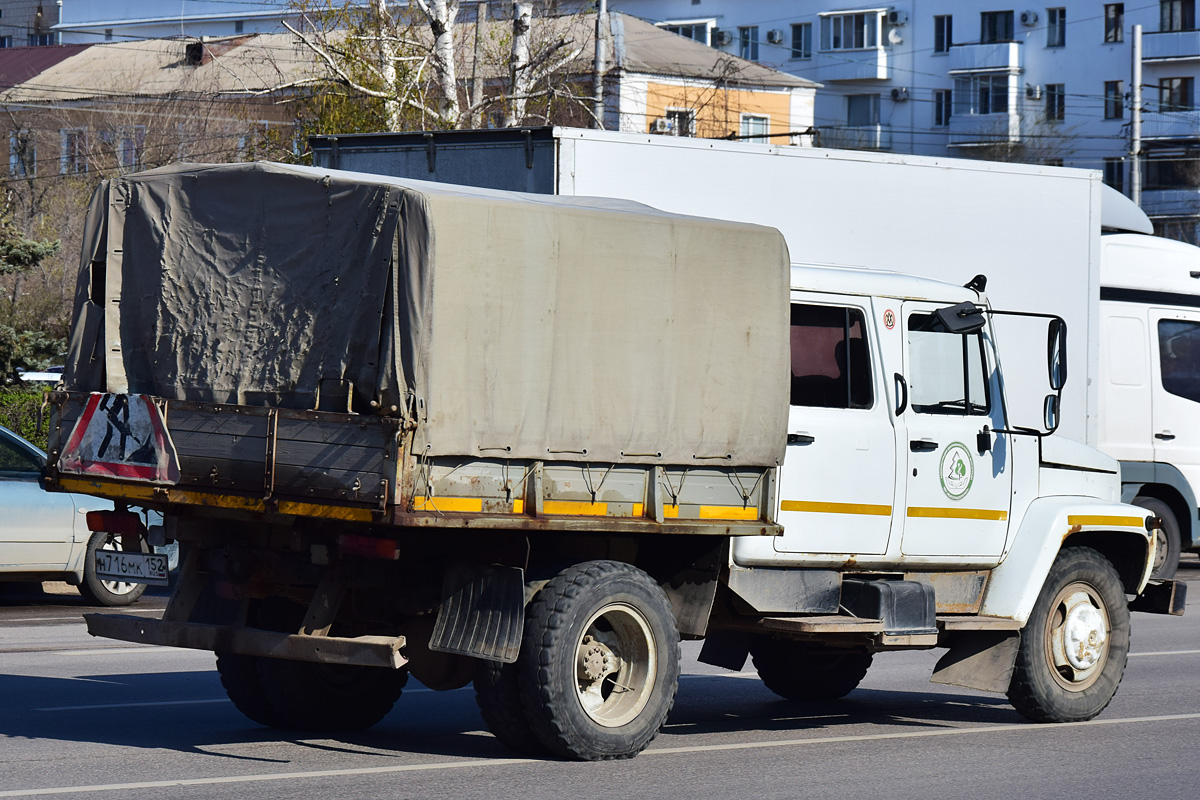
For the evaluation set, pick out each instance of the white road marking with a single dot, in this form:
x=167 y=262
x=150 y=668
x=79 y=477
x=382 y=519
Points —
x=135 y=705
x=1166 y=653
x=79 y=620
x=142 y=648
x=503 y=762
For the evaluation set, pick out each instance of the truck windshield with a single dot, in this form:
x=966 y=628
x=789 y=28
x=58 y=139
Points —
x=1179 y=357
x=948 y=372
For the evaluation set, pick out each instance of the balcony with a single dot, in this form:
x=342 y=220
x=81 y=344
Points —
x=978 y=130
x=856 y=137
x=1171 y=125
x=1171 y=46
x=991 y=57
x=853 y=65
x=1171 y=202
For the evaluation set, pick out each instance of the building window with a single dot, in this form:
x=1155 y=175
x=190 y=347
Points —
x=108 y=34
x=748 y=43
x=239 y=26
x=1056 y=27
x=1114 y=22
x=1177 y=15
x=41 y=39
x=755 y=128
x=1056 y=102
x=981 y=94
x=696 y=31
x=941 y=107
x=850 y=31
x=1114 y=99
x=6 y=41
x=943 y=33
x=127 y=145
x=802 y=40
x=996 y=26
x=22 y=154
x=862 y=110
x=831 y=364
x=74 y=158
x=1175 y=94
x=680 y=121
x=1114 y=173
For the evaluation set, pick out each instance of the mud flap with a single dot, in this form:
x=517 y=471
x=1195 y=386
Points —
x=482 y=613
x=980 y=660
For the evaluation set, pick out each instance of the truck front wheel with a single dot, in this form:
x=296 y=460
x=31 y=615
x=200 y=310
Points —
x=798 y=672
x=599 y=662
x=1166 y=538
x=1074 y=647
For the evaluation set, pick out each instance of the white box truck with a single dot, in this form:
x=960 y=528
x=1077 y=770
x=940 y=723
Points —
x=413 y=428
x=1039 y=235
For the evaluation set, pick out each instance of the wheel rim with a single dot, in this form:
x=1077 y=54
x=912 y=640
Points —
x=615 y=665
x=1162 y=548
x=1077 y=637
x=119 y=588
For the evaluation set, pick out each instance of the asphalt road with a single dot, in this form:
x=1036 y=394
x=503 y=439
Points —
x=83 y=717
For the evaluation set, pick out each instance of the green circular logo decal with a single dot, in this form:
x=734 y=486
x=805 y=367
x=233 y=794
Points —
x=956 y=471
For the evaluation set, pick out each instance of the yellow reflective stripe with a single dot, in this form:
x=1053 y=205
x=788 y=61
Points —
x=958 y=513
x=837 y=508
x=518 y=506
x=575 y=508
x=728 y=512
x=1094 y=519
x=452 y=504
x=670 y=512
x=136 y=492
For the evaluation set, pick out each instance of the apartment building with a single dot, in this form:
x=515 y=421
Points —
x=1042 y=83
x=28 y=23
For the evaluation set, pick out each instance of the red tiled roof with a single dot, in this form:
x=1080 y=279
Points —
x=19 y=64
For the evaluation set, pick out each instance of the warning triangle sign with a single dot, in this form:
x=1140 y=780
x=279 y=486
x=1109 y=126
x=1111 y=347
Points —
x=121 y=436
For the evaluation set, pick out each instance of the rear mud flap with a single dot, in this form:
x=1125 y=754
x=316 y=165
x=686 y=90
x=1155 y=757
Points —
x=482 y=613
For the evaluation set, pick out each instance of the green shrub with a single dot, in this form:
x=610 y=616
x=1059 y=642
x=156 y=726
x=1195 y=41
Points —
x=20 y=411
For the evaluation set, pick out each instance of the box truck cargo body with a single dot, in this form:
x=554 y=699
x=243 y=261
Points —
x=1034 y=232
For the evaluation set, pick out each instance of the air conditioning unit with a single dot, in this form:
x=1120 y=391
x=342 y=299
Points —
x=721 y=38
x=897 y=18
x=775 y=37
x=1033 y=92
x=899 y=94
x=1029 y=18
x=663 y=125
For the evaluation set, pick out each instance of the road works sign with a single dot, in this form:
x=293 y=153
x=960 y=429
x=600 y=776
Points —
x=121 y=436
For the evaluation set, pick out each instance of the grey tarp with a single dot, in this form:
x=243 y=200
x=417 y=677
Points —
x=505 y=325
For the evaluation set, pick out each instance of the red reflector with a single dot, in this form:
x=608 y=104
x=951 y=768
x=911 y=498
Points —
x=115 y=522
x=369 y=546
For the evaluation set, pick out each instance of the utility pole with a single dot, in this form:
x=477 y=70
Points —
x=1135 y=125
x=599 y=65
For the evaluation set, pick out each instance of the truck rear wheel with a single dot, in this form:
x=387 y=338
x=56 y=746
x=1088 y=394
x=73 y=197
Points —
x=599 y=662
x=1074 y=647
x=1166 y=538
x=795 y=671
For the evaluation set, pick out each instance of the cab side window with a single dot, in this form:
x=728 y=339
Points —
x=831 y=365
x=947 y=373
x=1179 y=357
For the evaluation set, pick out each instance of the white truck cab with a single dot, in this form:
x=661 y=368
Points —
x=904 y=471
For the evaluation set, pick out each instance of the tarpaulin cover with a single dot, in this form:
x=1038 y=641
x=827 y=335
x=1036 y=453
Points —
x=503 y=325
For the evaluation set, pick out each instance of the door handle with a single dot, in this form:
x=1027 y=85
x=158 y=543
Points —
x=1166 y=436
x=800 y=438
x=922 y=445
x=901 y=394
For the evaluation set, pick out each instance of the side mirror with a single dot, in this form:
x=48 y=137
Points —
x=1056 y=354
x=1050 y=413
x=961 y=318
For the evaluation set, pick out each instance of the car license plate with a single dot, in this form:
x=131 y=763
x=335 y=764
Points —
x=118 y=565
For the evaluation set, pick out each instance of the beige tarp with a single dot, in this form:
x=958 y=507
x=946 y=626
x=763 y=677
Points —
x=505 y=325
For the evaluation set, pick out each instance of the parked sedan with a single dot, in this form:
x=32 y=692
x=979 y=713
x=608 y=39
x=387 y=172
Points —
x=44 y=535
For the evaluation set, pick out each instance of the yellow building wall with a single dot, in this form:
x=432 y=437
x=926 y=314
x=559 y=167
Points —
x=719 y=109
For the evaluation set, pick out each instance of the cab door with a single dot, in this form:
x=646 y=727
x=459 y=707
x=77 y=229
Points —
x=960 y=476
x=1175 y=410
x=838 y=478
